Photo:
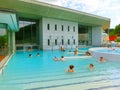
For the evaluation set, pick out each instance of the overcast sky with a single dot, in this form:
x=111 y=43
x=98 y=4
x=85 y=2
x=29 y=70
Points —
x=105 y=8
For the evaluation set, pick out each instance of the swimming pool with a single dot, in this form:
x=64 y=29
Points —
x=43 y=73
x=110 y=54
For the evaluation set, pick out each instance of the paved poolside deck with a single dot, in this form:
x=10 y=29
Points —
x=2 y=57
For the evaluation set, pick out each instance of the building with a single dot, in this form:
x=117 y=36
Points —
x=45 y=26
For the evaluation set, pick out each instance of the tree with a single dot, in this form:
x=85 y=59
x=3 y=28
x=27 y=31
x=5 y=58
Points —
x=3 y=40
x=117 y=29
x=112 y=33
x=108 y=30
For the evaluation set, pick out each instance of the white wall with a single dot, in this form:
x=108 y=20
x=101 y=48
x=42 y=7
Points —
x=96 y=36
x=57 y=34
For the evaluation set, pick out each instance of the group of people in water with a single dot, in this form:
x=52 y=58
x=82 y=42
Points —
x=30 y=55
x=56 y=59
x=76 y=51
x=91 y=66
x=87 y=53
x=38 y=54
x=71 y=67
x=101 y=59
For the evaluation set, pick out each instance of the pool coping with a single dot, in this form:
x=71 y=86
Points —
x=4 y=62
x=105 y=55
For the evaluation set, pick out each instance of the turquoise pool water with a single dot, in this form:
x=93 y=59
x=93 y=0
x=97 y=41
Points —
x=110 y=50
x=43 y=73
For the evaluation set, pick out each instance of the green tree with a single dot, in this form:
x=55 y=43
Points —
x=112 y=33
x=3 y=40
x=117 y=40
x=117 y=29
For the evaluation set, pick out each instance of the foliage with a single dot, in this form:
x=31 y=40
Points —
x=108 y=30
x=112 y=33
x=117 y=40
x=3 y=40
x=117 y=29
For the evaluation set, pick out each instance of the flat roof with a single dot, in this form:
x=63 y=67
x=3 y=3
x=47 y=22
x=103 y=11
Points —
x=10 y=20
x=36 y=10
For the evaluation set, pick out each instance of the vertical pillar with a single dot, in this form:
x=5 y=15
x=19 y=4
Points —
x=40 y=38
x=9 y=42
x=13 y=41
x=89 y=35
x=97 y=36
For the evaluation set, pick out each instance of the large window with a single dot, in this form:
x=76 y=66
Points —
x=74 y=29
x=56 y=27
x=68 y=28
x=62 y=42
x=74 y=41
x=68 y=41
x=84 y=35
x=62 y=27
x=48 y=26
x=28 y=33
x=48 y=42
x=55 y=41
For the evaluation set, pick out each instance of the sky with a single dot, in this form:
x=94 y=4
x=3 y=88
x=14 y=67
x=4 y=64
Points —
x=105 y=8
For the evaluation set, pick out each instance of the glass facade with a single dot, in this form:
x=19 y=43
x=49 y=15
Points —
x=28 y=33
x=84 y=35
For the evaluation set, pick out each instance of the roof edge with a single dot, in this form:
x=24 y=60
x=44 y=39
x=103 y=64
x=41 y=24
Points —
x=64 y=8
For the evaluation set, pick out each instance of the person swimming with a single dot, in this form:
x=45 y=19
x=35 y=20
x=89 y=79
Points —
x=62 y=48
x=29 y=49
x=62 y=58
x=71 y=68
x=101 y=59
x=38 y=54
x=55 y=58
x=91 y=66
x=88 y=53
x=76 y=50
x=30 y=55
